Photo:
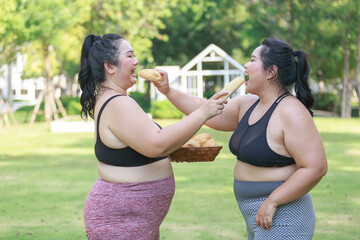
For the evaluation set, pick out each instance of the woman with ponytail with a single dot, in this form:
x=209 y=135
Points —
x=280 y=155
x=136 y=185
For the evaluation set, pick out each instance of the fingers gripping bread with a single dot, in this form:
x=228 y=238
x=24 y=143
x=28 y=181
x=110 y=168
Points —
x=150 y=75
x=232 y=86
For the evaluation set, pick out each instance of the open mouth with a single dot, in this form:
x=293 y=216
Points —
x=246 y=77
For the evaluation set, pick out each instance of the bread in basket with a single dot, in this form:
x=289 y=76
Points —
x=200 y=148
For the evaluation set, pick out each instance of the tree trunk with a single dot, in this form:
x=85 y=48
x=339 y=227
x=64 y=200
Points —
x=9 y=89
x=47 y=106
x=345 y=90
x=357 y=63
x=74 y=87
x=69 y=83
x=48 y=93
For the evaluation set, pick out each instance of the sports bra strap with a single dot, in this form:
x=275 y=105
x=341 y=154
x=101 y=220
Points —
x=282 y=96
x=100 y=112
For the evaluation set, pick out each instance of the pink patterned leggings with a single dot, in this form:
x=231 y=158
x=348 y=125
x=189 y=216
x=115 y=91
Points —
x=127 y=210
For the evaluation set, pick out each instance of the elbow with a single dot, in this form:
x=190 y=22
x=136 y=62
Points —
x=157 y=150
x=324 y=168
x=154 y=153
x=323 y=171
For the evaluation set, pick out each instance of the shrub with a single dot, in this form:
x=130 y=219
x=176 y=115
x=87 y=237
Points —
x=71 y=104
x=208 y=94
x=355 y=112
x=164 y=109
x=23 y=114
x=325 y=101
x=140 y=99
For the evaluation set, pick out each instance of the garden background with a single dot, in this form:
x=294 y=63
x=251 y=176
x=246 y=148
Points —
x=45 y=176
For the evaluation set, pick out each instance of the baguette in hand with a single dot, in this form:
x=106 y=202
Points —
x=232 y=86
x=150 y=75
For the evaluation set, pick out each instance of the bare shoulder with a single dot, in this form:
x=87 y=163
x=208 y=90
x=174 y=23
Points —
x=125 y=107
x=293 y=112
x=246 y=101
x=123 y=102
x=122 y=107
x=124 y=115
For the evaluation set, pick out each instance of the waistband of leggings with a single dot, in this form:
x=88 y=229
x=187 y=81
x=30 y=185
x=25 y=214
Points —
x=254 y=189
x=163 y=186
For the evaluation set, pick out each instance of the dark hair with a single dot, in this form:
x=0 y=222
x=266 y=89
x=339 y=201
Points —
x=95 y=51
x=290 y=70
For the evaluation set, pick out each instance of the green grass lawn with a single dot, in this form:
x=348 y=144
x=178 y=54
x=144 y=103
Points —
x=45 y=177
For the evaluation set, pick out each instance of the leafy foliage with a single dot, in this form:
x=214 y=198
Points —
x=140 y=98
x=325 y=101
x=71 y=104
x=137 y=21
x=50 y=33
x=164 y=109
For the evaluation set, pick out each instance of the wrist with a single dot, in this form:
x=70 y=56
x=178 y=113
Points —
x=202 y=114
x=168 y=93
x=272 y=201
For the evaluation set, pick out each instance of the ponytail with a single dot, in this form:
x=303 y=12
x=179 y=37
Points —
x=302 y=88
x=86 y=81
x=293 y=68
x=95 y=51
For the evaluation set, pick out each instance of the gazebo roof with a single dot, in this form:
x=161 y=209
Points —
x=212 y=53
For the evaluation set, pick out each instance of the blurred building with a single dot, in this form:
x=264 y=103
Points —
x=205 y=74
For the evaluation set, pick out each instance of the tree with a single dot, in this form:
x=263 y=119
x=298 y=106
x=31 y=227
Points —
x=348 y=15
x=194 y=25
x=137 y=21
x=68 y=48
x=45 y=21
x=11 y=36
x=357 y=66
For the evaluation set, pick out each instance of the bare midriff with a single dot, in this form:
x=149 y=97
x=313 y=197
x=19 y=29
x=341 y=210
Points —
x=149 y=172
x=246 y=172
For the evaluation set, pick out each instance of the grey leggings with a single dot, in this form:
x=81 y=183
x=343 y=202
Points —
x=294 y=220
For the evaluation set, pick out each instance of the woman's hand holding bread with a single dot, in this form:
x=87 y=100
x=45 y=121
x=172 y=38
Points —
x=163 y=86
x=158 y=77
x=213 y=106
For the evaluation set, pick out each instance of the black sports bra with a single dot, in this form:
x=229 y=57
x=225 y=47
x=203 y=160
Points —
x=249 y=142
x=123 y=157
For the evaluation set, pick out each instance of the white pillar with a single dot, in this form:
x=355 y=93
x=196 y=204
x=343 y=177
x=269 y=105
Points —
x=199 y=79
x=226 y=76
x=183 y=82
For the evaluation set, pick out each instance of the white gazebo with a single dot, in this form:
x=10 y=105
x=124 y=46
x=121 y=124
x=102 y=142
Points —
x=212 y=61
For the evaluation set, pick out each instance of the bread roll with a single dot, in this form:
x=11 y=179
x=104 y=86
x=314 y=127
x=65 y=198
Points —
x=202 y=138
x=210 y=143
x=150 y=75
x=232 y=86
x=192 y=143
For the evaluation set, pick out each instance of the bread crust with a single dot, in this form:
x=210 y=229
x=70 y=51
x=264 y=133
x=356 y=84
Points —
x=232 y=86
x=150 y=75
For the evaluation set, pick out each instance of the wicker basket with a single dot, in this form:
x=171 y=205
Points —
x=195 y=154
